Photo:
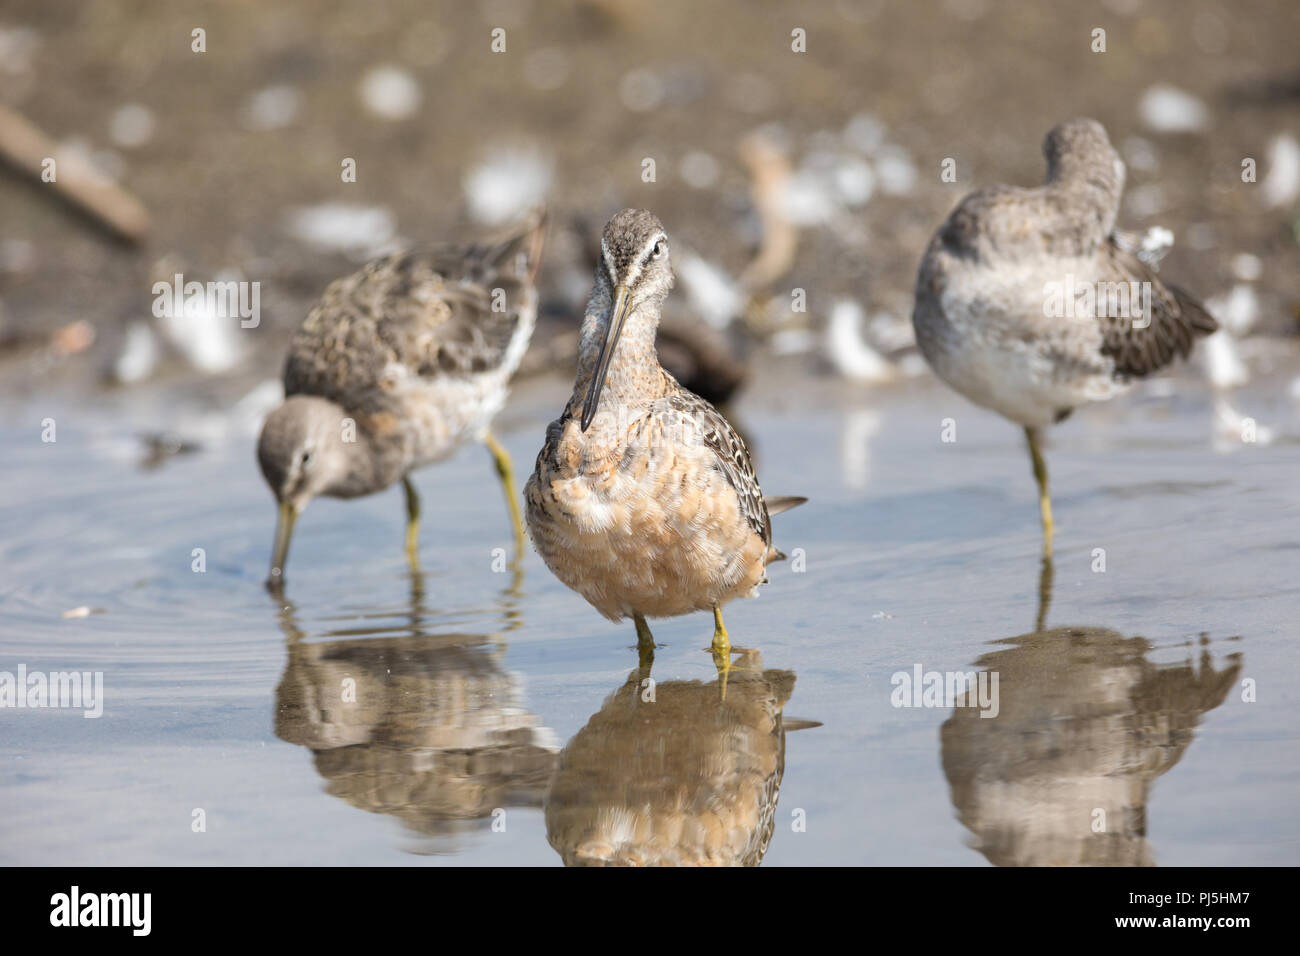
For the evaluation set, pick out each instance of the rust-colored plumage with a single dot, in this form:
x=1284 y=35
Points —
x=644 y=498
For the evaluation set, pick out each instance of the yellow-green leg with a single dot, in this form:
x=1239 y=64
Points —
x=506 y=471
x=721 y=650
x=1044 y=494
x=645 y=642
x=721 y=640
x=412 y=522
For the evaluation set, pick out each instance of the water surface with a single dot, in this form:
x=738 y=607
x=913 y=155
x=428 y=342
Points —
x=468 y=714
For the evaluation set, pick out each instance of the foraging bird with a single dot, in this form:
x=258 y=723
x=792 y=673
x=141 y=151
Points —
x=644 y=498
x=1030 y=302
x=437 y=736
x=394 y=368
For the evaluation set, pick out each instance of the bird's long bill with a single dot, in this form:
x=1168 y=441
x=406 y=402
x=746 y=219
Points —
x=283 y=532
x=617 y=316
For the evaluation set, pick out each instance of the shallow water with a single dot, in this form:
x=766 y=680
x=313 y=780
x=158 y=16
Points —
x=466 y=682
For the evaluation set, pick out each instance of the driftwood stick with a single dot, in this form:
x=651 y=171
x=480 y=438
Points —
x=26 y=148
x=769 y=171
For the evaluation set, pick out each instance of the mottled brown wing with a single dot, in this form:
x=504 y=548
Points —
x=1176 y=319
x=732 y=456
x=444 y=310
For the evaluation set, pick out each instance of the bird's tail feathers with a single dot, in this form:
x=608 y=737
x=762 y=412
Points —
x=1199 y=319
x=779 y=503
x=520 y=246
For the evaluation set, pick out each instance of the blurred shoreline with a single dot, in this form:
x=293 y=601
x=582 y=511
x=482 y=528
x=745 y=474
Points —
x=238 y=152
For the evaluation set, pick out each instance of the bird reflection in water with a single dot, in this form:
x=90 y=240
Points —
x=674 y=774
x=424 y=727
x=1063 y=773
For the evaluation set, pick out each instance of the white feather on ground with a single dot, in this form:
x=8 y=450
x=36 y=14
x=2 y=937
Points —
x=390 y=92
x=712 y=293
x=139 y=355
x=1168 y=109
x=848 y=351
x=202 y=333
x=1282 y=181
x=507 y=183
x=344 y=227
x=1235 y=311
x=1232 y=430
x=1223 y=366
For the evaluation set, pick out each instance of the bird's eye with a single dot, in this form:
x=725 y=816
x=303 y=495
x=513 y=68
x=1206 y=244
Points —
x=659 y=249
x=306 y=458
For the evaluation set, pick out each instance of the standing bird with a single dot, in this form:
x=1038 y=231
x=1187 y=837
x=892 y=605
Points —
x=394 y=368
x=1031 y=303
x=644 y=498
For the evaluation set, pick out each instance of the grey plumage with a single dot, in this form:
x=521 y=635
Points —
x=415 y=326
x=981 y=291
x=398 y=365
x=1086 y=722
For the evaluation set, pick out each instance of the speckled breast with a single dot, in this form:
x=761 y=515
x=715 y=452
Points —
x=641 y=521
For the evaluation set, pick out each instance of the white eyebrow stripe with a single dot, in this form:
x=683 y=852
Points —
x=636 y=269
x=648 y=248
x=609 y=262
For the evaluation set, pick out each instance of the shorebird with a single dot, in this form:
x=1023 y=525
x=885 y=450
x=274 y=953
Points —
x=438 y=735
x=1031 y=303
x=680 y=782
x=395 y=368
x=644 y=498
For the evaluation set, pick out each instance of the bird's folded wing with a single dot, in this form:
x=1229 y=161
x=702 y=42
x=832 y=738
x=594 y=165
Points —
x=439 y=311
x=1142 y=343
x=731 y=456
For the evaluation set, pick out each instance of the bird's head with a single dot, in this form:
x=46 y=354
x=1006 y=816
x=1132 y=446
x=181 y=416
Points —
x=634 y=271
x=1079 y=150
x=303 y=452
